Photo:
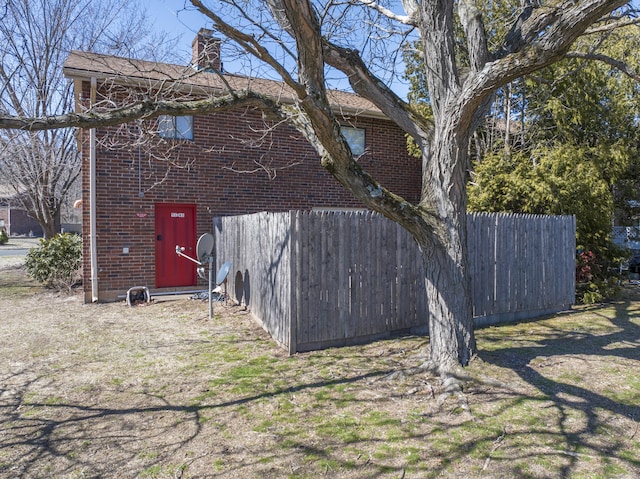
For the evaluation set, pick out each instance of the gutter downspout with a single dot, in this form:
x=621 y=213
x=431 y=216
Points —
x=93 y=247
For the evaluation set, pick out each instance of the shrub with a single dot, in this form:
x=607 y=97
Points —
x=594 y=281
x=598 y=290
x=586 y=266
x=4 y=237
x=55 y=262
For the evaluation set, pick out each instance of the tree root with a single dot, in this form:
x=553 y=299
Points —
x=451 y=383
x=404 y=373
x=444 y=383
x=453 y=388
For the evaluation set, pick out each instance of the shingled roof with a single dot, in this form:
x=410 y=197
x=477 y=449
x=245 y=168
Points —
x=156 y=75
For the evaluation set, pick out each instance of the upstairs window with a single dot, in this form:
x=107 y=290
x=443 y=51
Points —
x=355 y=139
x=175 y=127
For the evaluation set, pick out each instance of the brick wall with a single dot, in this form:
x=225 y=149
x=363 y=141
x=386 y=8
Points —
x=212 y=171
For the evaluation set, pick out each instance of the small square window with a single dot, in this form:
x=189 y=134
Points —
x=355 y=139
x=175 y=127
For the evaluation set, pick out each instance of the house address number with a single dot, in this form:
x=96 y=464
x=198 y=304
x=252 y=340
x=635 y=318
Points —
x=177 y=215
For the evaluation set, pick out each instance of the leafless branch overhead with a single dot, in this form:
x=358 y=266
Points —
x=144 y=109
x=618 y=64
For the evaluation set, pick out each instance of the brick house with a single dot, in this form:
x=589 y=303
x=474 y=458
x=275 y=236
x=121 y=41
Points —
x=164 y=191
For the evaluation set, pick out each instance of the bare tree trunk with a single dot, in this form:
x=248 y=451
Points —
x=451 y=336
x=448 y=285
x=50 y=222
x=507 y=116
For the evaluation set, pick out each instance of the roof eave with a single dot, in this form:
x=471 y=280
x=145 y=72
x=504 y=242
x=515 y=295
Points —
x=182 y=86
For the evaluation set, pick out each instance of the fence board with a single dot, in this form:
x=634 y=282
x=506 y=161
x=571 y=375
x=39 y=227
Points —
x=306 y=319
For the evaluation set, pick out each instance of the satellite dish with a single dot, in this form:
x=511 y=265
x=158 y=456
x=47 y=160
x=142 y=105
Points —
x=223 y=272
x=204 y=247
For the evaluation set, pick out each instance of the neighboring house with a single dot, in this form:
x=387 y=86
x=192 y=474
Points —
x=5 y=215
x=14 y=218
x=627 y=237
x=626 y=227
x=160 y=183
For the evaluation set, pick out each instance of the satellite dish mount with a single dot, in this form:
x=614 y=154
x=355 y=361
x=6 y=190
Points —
x=204 y=248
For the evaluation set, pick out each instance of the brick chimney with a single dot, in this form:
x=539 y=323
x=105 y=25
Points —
x=205 y=51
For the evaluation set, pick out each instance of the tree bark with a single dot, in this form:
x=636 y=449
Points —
x=451 y=333
x=448 y=285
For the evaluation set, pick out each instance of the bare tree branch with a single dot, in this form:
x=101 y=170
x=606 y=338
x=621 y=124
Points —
x=305 y=27
x=263 y=165
x=369 y=86
x=410 y=7
x=145 y=109
x=611 y=24
x=548 y=33
x=619 y=65
x=248 y=42
x=473 y=25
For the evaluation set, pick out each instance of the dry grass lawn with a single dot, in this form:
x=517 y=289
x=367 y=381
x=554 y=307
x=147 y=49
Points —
x=160 y=391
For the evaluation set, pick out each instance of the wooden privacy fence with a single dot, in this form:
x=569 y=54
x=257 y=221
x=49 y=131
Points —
x=321 y=279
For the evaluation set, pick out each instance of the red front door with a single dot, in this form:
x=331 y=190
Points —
x=175 y=226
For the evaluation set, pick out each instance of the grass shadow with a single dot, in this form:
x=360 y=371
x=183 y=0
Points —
x=554 y=356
